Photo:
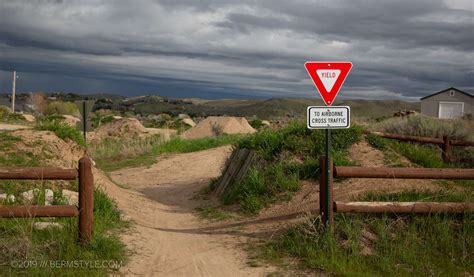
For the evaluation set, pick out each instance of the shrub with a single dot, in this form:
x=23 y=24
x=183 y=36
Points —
x=59 y=107
x=256 y=123
x=420 y=125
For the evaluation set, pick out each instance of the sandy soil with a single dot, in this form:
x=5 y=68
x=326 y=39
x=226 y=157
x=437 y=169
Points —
x=226 y=125
x=167 y=239
x=10 y=127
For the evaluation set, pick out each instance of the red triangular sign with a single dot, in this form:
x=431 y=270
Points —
x=328 y=77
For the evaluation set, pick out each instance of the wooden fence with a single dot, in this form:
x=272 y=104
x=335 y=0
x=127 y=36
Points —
x=445 y=143
x=388 y=207
x=86 y=195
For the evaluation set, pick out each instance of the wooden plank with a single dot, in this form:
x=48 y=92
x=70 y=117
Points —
x=234 y=169
x=240 y=173
x=404 y=173
x=402 y=207
x=225 y=172
x=229 y=171
x=38 y=211
x=462 y=143
x=37 y=173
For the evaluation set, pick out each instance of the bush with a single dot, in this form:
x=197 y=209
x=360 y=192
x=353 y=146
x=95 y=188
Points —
x=256 y=123
x=59 y=107
x=420 y=125
x=62 y=130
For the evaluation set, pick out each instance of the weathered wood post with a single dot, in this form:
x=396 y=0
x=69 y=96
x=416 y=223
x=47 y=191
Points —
x=326 y=207
x=86 y=200
x=446 y=149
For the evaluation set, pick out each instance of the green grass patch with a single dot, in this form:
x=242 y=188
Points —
x=365 y=245
x=62 y=130
x=213 y=213
x=424 y=155
x=114 y=154
x=23 y=249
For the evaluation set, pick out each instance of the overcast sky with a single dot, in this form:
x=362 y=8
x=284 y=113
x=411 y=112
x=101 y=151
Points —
x=401 y=49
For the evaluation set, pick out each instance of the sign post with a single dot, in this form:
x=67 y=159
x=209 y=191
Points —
x=328 y=78
x=85 y=107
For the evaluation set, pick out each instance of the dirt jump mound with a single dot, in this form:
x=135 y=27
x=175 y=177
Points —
x=127 y=128
x=219 y=125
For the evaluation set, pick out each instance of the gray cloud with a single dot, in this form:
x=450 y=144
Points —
x=400 y=49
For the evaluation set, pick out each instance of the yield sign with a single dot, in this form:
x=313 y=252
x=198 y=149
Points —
x=328 y=77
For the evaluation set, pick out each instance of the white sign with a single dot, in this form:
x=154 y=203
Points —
x=337 y=117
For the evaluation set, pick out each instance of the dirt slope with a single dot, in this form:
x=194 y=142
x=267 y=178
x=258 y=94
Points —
x=167 y=239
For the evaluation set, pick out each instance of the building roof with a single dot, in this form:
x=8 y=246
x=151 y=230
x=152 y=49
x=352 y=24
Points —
x=451 y=88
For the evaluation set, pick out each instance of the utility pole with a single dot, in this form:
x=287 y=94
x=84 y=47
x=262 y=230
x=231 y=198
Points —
x=13 y=91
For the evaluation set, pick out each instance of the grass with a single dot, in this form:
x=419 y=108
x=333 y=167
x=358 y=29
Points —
x=114 y=154
x=23 y=249
x=12 y=155
x=284 y=157
x=213 y=213
x=365 y=245
x=62 y=130
x=421 y=154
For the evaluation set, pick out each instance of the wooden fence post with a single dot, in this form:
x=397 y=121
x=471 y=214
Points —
x=326 y=215
x=86 y=200
x=446 y=149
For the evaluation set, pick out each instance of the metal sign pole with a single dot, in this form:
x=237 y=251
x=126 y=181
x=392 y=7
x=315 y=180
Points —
x=84 y=123
x=328 y=179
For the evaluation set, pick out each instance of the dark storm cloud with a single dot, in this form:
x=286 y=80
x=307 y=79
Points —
x=257 y=48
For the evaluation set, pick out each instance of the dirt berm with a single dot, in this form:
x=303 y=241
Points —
x=215 y=125
x=127 y=128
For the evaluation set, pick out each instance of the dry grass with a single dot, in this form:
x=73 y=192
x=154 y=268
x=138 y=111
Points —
x=420 y=125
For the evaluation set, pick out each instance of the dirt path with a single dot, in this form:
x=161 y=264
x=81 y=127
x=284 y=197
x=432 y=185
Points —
x=11 y=127
x=166 y=238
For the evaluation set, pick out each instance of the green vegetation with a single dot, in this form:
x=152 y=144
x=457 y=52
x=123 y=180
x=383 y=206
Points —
x=13 y=155
x=25 y=250
x=285 y=157
x=113 y=154
x=62 y=130
x=256 y=124
x=364 y=245
x=424 y=155
x=7 y=116
x=61 y=108
x=213 y=213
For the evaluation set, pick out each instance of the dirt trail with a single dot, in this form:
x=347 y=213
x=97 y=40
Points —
x=166 y=238
x=10 y=127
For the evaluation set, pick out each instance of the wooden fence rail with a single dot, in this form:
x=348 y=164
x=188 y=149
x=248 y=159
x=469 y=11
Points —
x=86 y=195
x=327 y=214
x=445 y=143
x=403 y=172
